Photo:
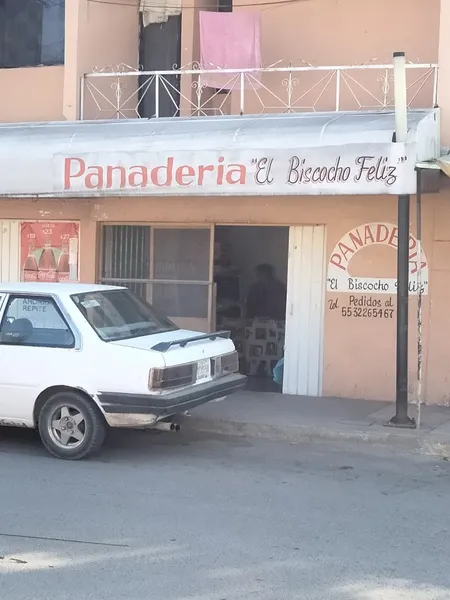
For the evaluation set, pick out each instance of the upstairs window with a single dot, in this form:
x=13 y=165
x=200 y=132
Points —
x=225 y=6
x=31 y=33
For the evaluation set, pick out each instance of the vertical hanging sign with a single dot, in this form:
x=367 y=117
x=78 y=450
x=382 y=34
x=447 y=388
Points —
x=49 y=251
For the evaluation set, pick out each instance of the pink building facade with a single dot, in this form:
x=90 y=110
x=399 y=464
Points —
x=323 y=94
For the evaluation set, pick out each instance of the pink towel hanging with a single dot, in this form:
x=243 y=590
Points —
x=230 y=41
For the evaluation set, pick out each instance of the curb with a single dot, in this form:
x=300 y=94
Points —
x=425 y=443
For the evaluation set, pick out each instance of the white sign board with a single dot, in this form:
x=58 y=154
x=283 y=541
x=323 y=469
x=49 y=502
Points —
x=339 y=278
x=353 y=169
x=94 y=170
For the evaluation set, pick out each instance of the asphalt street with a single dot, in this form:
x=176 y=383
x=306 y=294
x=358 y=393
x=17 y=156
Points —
x=162 y=516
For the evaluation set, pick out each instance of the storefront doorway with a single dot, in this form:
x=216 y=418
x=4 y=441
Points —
x=250 y=276
x=203 y=278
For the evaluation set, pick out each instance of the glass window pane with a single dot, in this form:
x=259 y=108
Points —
x=181 y=300
x=120 y=315
x=32 y=32
x=52 y=47
x=182 y=254
x=32 y=321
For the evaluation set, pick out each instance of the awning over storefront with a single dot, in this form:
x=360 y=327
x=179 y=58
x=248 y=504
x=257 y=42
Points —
x=292 y=154
x=442 y=163
x=436 y=165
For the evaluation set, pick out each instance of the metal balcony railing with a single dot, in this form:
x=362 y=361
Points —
x=123 y=92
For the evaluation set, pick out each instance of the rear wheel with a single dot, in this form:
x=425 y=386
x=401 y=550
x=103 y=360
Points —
x=71 y=426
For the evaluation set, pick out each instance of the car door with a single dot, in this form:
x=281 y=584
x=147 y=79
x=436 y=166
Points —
x=35 y=345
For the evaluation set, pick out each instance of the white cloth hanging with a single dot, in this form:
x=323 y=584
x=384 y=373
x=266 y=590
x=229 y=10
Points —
x=159 y=11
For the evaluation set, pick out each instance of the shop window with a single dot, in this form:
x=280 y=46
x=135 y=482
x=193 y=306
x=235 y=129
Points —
x=31 y=33
x=126 y=257
x=168 y=267
x=181 y=255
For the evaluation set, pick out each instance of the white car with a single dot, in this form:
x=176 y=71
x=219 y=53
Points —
x=76 y=358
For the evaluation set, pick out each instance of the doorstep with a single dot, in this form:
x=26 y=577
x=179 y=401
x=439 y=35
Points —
x=299 y=418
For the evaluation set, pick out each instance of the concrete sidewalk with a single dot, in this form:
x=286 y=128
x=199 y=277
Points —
x=297 y=418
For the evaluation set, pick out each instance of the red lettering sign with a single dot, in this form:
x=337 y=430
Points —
x=367 y=235
x=78 y=174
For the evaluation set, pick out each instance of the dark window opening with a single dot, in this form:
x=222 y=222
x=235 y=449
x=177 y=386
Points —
x=160 y=50
x=31 y=33
x=225 y=6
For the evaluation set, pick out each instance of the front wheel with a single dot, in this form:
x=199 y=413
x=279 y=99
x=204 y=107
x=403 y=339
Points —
x=71 y=426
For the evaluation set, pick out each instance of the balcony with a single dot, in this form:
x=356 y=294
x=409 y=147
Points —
x=124 y=93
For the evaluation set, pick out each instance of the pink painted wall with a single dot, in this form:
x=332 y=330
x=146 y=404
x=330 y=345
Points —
x=339 y=32
x=98 y=35
x=33 y=94
x=444 y=72
x=103 y=35
x=360 y=362
x=332 y=32
x=438 y=364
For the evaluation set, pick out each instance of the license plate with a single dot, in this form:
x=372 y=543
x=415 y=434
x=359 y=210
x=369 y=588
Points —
x=203 y=369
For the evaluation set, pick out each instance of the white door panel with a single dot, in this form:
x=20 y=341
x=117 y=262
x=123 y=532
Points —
x=9 y=251
x=305 y=311
x=19 y=381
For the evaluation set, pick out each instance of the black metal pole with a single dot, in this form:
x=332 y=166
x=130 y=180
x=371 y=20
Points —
x=401 y=418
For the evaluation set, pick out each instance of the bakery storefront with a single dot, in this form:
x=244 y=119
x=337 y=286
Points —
x=189 y=213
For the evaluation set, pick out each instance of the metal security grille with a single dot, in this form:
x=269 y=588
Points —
x=126 y=257
x=168 y=267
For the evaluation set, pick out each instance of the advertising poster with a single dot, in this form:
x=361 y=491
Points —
x=49 y=251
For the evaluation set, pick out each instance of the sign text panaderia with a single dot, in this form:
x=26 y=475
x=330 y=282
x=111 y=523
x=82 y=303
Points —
x=380 y=169
x=339 y=278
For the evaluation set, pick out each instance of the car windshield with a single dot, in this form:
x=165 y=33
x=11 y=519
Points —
x=120 y=315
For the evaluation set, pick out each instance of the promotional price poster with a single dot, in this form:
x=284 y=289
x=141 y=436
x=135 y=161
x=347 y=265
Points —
x=49 y=251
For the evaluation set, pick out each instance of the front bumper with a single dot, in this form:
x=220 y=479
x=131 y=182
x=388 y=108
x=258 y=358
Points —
x=144 y=410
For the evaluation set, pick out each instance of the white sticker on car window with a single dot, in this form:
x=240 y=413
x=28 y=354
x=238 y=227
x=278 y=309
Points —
x=90 y=303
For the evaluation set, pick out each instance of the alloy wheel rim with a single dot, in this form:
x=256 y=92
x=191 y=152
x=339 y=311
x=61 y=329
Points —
x=67 y=427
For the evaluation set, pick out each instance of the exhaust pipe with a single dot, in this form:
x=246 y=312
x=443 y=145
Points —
x=164 y=426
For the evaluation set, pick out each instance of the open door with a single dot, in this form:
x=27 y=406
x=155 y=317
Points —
x=303 y=355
